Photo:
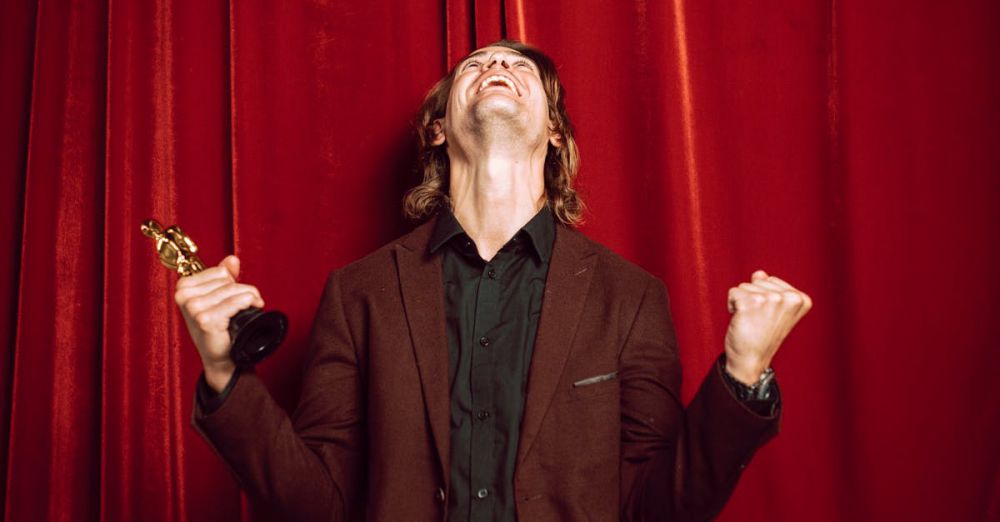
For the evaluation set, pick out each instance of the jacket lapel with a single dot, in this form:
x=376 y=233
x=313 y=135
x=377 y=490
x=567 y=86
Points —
x=420 y=281
x=570 y=273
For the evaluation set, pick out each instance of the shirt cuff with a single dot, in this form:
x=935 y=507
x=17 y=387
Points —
x=208 y=400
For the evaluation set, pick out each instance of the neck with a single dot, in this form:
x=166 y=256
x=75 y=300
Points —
x=495 y=195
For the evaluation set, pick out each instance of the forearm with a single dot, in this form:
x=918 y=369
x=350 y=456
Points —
x=678 y=463
x=295 y=476
x=692 y=478
x=721 y=435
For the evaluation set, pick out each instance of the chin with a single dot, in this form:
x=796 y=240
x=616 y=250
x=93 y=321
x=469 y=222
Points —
x=501 y=115
x=496 y=107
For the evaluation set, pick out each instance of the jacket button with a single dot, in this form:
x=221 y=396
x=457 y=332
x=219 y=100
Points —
x=483 y=415
x=482 y=493
x=484 y=341
x=492 y=274
x=440 y=495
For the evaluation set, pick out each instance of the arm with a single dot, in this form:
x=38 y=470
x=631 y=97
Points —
x=308 y=467
x=677 y=464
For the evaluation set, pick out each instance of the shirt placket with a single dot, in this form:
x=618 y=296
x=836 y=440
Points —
x=484 y=429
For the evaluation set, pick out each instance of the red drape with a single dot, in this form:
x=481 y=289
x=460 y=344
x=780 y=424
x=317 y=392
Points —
x=849 y=146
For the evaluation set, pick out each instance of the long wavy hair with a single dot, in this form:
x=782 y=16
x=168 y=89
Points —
x=561 y=163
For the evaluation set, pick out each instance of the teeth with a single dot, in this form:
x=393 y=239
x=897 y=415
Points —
x=495 y=79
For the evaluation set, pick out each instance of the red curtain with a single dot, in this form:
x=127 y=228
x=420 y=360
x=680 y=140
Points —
x=851 y=147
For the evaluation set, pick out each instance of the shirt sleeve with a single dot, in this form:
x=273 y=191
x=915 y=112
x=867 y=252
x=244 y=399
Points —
x=208 y=400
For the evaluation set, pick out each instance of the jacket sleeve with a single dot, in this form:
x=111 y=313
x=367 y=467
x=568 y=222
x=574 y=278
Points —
x=678 y=464
x=308 y=467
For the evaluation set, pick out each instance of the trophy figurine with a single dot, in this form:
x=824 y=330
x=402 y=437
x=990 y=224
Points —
x=255 y=334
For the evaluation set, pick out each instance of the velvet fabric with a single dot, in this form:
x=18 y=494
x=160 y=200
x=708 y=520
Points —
x=847 y=146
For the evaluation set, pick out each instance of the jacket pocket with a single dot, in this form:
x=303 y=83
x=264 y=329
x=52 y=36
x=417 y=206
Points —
x=593 y=386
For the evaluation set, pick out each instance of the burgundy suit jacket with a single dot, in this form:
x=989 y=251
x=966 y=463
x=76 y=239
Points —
x=370 y=436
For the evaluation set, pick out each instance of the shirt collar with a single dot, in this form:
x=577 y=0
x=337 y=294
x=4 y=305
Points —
x=540 y=230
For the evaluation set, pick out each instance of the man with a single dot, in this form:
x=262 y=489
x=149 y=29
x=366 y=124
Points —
x=493 y=364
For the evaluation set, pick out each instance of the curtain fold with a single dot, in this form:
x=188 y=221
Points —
x=847 y=147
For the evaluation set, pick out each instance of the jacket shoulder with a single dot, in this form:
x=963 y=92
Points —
x=380 y=264
x=614 y=268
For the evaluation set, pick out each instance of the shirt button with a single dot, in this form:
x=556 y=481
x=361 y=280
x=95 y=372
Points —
x=482 y=493
x=483 y=415
x=484 y=342
x=492 y=274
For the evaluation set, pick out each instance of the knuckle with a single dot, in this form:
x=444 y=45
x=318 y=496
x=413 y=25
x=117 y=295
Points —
x=774 y=297
x=792 y=298
x=197 y=304
x=203 y=319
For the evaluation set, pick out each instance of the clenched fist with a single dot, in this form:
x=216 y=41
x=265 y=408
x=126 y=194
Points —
x=764 y=311
x=208 y=300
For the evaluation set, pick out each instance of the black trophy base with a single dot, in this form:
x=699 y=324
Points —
x=256 y=334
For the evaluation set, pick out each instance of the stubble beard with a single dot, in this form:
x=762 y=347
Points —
x=498 y=124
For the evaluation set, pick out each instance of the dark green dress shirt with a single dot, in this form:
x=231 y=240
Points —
x=491 y=309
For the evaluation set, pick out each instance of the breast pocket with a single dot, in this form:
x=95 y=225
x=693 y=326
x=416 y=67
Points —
x=594 y=385
x=582 y=433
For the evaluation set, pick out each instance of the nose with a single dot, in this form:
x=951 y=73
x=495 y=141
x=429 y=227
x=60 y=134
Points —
x=502 y=60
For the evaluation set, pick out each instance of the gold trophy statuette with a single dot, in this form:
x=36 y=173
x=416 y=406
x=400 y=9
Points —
x=255 y=334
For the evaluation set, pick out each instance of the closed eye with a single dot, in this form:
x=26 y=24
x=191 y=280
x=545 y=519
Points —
x=470 y=65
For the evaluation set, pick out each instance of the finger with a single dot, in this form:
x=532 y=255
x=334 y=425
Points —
x=208 y=274
x=781 y=282
x=740 y=299
x=217 y=317
x=768 y=285
x=213 y=298
x=232 y=264
x=753 y=287
x=211 y=284
x=807 y=304
x=792 y=300
x=758 y=275
x=734 y=294
x=185 y=293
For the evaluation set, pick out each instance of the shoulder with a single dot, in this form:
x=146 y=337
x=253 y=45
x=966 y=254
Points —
x=379 y=267
x=611 y=269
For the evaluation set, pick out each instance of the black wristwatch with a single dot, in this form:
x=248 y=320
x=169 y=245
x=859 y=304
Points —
x=759 y=391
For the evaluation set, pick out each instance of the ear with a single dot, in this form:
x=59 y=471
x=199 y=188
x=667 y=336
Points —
x=438 y=130
x=556 y=139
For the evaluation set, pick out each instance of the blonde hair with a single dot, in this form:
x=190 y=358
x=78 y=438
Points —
x=561 y=163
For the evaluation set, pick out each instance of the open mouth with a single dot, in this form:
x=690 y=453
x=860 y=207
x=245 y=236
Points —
x=497 y=80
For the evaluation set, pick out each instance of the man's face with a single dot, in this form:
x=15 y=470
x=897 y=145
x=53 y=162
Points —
x=497 y=91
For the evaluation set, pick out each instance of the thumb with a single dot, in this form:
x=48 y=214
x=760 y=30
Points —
x=758 y=275
x=232 y=265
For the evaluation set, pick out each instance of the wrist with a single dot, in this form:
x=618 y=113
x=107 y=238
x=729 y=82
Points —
x=746 y=372
x=759 y=390
x=218 y=374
